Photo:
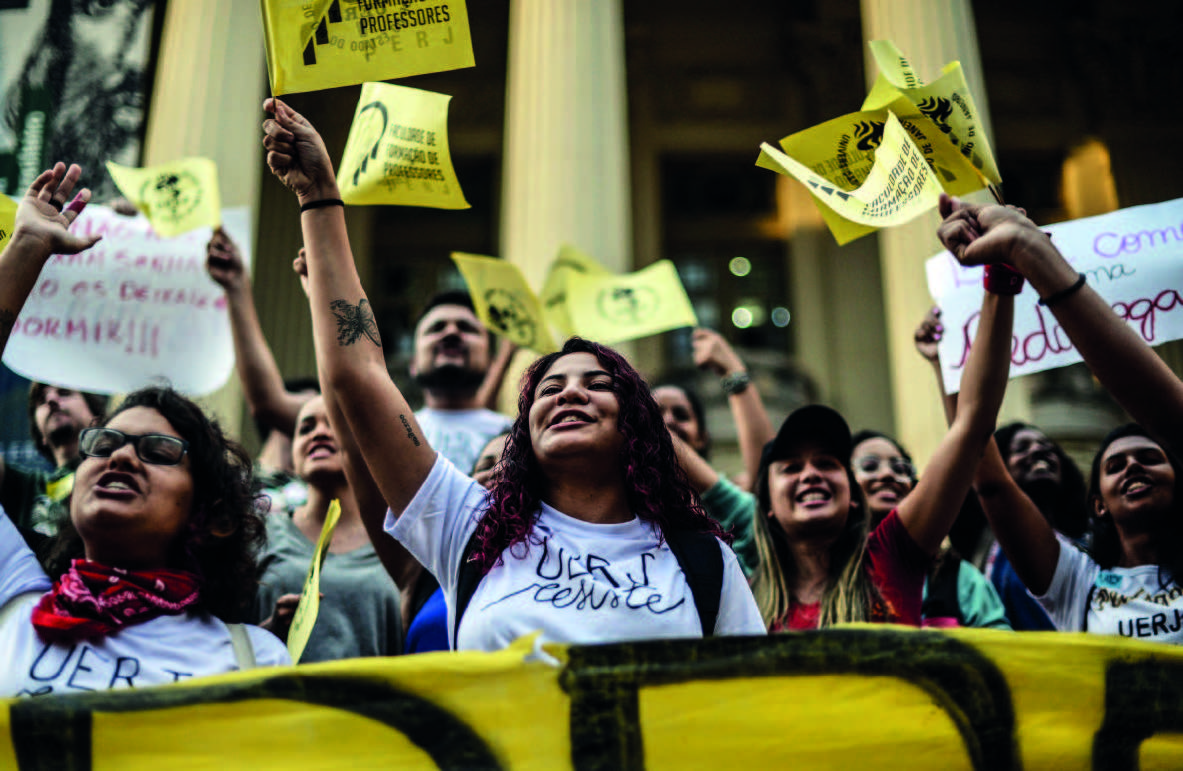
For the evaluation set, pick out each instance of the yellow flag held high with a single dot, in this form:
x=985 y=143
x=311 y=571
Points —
x=504 y=301
x=947 y=102
x=570 y=263
x=897 y=187
x=318 y=44
x=7 y=218
x=397 y=151
x=175 y=197
x=309 y=607
x=611 y=308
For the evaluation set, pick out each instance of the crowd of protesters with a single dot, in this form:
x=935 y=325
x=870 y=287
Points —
x=158 y=551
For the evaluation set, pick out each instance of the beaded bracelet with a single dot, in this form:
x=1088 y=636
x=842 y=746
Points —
x=735 y=383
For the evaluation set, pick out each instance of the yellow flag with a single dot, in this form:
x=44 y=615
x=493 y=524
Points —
x=947 y=102
x=176 y=197
x=397 y=151
x=897 y=187
x=611 y=308
x=571 y=262
x=318 y=44
x=504 y=301
x=309 y=607
x=7 y=219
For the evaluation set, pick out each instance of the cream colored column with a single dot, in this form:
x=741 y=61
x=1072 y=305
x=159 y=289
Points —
x=566 y=167
x=930 y=33
x=210 y=80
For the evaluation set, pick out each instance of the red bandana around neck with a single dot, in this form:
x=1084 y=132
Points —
x=93 y=600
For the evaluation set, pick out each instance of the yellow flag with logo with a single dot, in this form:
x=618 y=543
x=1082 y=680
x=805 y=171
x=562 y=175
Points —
x=7 y=219
x=896 y=183
x=569 y=265
x=947 y=102
x=611 y=308
x=397 y=151
x=309 y=607
x=318 y=44
x=504 y=301
x=175 y=197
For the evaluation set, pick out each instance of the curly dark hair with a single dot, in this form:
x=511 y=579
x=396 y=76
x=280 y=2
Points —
x=1106 y=546
x=656 y=487
x=226 y=527
x=1064 y=506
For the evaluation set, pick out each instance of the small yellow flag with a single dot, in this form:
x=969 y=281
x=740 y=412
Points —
x=612 y=308
x=176 y=197
x=318 y=44
x=571 y=263
x=504 y=301
x=7 y=219
x=309 y=607
x=897 y=187
x=397 y=151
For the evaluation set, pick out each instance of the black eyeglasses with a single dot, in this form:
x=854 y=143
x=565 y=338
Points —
x=157 y=449
x=869 y=464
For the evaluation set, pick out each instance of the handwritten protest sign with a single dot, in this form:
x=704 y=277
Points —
x=611 y=308
x=1133 y=258
x=504 y=301
x=133 y=308
x=569 y=265
x=7 y=218
x=309 y=607
x=176 y=197
x=397 y=152
x=317 y=44
x=898 y=185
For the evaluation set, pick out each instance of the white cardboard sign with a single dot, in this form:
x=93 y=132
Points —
x=1133 y=258
x=133 y=309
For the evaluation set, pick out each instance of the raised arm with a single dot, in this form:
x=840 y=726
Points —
x=262 y=383
x=928 y=339
x=753 y=428
x=929 y=511
x=348 y=350
x=487 y=395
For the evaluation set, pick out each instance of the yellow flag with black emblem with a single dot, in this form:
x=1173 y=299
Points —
x=318 y=44
x=611 y=308
x=504 y=301
x=308 y=608
x=7 y=219
x=397 y=151
x=175 y=197
x=571 y=263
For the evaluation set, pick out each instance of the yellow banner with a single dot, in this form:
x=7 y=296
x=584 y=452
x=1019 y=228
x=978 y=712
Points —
x=947 y=102
x=611 y=308
x=318 y=44
x=569 y=265
x=504 y=301
x=175 y=197
x=397 y=151
x=849 y=697
x=7 y=219
x=309 y=606
x=896 y=186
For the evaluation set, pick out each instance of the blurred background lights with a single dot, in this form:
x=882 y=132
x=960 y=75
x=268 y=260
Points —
x=740 y=266
x=749 y=313
x=780 y=317
x=741 y=317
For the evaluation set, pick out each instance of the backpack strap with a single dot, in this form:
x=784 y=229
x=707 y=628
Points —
x=701 y=559
x=244 y=650
x=8 y=610
x=469 y=578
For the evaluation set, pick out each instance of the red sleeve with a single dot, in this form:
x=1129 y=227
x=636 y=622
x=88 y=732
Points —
x=898 y=567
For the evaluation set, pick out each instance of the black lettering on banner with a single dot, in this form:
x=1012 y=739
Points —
x=56 y=732
x=1141 y=700
x=604 y=682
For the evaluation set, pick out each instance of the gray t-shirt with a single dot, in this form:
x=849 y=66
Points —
x=359 y=613
x=460 y=435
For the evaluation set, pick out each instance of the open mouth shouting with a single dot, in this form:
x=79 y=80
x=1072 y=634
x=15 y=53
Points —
x=117 y=485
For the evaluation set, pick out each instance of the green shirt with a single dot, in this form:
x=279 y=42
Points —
x=735 y=510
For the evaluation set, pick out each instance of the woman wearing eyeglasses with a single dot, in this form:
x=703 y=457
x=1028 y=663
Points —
x=955 y=592
x=158 y=553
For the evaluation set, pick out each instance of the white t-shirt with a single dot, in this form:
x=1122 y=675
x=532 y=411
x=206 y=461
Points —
x=577 y=582
x=460 y=435
x=1142 y=602
x=163 y=650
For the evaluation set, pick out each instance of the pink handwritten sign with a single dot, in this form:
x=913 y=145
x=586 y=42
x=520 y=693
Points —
x=1132 y=257
x=133 y=309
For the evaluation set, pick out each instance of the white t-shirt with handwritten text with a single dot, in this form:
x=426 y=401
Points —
x=163 y=650
x=577 y=582
x=1142 y=602
x=460 y=435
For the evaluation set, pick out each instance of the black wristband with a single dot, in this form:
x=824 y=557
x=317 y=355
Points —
x=735 y=383
x=321 y=203
x=1056 y=297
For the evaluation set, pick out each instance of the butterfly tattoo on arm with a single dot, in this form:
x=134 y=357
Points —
x=354 y=322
